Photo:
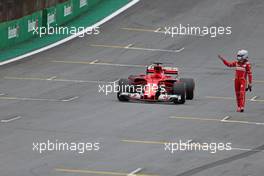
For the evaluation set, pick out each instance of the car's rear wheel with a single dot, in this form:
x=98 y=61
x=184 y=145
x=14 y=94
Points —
x=123 y=87
x=179 y=89
x=190 y=86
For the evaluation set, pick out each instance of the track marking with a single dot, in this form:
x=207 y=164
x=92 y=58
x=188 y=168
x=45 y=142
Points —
x=180 y=50
x=29 y=99
x=75 y=62
x=254 y=98
x=259 y=65
x=134 y=173
x=245 y=149
x=27 y=78
x=70 y=99
x=137 y=48
x=224 y=120
x=109 y=46
x=121 y=65
x=98 y=63
x=93 y=62
x=258 y=81
x=78 y=171
x=78 y=81
x=152 y=142
x=144 y=142
x=38 y=99
x=104 y=20
x=10 y=119
x=232 y=98
x=115 y=81
x=128 y=46
x=189 y=143
x=194 y=118
x=157 y=30
x=53 y=80
x=223 y=98
x=244 y=122
x=139 y=29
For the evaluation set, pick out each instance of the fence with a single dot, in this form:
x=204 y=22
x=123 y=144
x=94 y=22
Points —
x=16 y=28
x=14 y=9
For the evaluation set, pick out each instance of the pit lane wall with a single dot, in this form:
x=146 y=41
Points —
x=17 y=31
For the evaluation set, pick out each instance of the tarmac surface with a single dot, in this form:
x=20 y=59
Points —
x=55 y=96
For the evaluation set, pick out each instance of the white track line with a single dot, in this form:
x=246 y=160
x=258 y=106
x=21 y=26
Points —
x=128 y=46
x=37 y=99
x=217 y=120
x=225 y=118
x=93 y=62
x=70 y=99
x=52 y=78
x=245 y=149
x=11 y=119
x=243 y=122
x=130 y=4
x=97 y=63
x=152 y=49
x=254 y=98
x=157 y=30
x=232 y=98
x=77 y=81
x=120 y=65
x=179 y=50
x=189 y=141
x=28 y=99
x=133 y=173
x=114 y=81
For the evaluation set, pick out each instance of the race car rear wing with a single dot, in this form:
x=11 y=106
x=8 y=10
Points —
x=166 y=70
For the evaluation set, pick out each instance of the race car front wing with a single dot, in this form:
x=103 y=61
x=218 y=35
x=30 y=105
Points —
x=162 y=97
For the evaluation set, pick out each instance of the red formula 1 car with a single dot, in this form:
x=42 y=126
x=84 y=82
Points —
x=158 y=84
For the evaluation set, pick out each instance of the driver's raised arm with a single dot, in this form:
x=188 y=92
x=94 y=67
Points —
x=227 y=63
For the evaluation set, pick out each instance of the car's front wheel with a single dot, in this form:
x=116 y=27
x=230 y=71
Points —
x=123 y=86
x=190 y=85
x=179 y=89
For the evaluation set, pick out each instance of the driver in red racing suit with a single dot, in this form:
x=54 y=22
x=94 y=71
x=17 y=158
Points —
x=243 y=71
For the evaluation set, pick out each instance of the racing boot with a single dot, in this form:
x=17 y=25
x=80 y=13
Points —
x=242 y=110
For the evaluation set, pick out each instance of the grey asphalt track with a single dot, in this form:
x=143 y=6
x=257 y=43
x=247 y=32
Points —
x=130 y=134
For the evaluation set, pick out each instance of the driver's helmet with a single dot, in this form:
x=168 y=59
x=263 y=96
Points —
x=157 y=69
x=242 y=55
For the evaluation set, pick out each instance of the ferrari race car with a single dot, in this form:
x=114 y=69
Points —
x=160 y=83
